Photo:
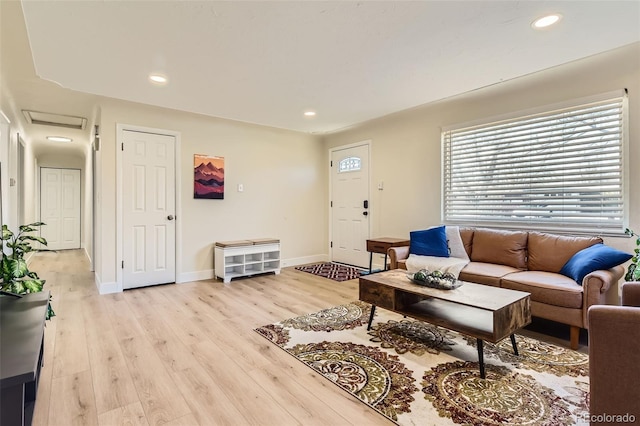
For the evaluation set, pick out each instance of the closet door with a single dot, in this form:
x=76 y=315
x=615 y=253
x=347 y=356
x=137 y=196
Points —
x=60 y=207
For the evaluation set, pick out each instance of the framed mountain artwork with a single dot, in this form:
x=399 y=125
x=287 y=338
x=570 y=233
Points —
x=208 y=177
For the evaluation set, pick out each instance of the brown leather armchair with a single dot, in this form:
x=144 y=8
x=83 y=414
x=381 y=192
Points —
x=614 y=359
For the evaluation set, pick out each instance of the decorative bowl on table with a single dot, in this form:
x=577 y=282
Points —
x=435 y=279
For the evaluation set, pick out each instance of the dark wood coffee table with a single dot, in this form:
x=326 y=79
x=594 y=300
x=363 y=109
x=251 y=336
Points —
x=480 y=311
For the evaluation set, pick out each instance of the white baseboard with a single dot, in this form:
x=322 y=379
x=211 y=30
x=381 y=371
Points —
x=209 y=274
x=86 y=253
x=304 y=260
x=106 y=288
x=186 y=277
x=377 y=263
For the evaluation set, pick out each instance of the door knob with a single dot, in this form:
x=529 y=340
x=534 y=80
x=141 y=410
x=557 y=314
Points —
x=365 y=213
x=170 y=217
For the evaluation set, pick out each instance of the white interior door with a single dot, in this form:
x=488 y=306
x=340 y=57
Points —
x=350 y=205
x=148 y=209
x=60 y=207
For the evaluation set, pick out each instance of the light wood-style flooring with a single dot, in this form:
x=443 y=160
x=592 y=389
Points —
x=184 y=354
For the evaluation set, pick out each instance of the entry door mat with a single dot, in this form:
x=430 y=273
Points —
x=333 y=271
x=415 y=373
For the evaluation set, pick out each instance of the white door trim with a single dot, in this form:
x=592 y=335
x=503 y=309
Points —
x=367 y=142
x=120 y=128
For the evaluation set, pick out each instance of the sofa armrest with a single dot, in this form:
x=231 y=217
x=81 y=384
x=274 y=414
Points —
x=631 y=294
x=614 y=345
x=604 y=278
x=596 y=285
x=396 y=254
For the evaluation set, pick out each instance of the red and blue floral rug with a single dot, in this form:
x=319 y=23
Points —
x=333 y=271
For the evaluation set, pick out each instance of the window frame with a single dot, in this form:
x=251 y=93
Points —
x=522 y=115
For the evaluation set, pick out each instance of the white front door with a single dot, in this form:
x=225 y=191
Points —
x=60 y=208
x=350 y=205
x=148 y=209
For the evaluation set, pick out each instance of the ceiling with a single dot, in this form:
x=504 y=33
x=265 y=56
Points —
x=267 y=62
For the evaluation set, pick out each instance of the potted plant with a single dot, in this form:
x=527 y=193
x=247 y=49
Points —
x=633 y=272
x=15 y=277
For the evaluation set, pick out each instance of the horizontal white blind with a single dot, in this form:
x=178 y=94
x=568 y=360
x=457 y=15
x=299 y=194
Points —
x=556 y=170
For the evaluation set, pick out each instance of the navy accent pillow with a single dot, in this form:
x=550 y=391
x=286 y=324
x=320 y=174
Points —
x=594 y=258
x=430 y=242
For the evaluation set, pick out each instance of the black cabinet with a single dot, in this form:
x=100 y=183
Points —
x=21 y=355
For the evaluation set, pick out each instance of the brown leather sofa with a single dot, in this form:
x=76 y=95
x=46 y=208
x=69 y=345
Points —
x=614 y=345
x=531 y=262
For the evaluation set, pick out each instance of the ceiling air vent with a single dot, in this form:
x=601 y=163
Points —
x=59 y=120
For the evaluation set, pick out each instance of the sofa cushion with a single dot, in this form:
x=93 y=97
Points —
x=598 y=256
x=546 y=287
x=500 y=247
x=485 y=273
x=429 y=242
x=456 y=245
x=549 y=252
x=467 y=239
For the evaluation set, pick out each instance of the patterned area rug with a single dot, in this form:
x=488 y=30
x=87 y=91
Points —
x=334 y=271
x=415 y=373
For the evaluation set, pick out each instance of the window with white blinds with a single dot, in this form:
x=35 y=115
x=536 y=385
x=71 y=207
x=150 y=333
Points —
x=558 y=170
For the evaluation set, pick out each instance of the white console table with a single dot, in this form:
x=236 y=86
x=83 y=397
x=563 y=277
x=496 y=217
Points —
x=244 y=258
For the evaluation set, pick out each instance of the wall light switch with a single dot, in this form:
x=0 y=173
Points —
x=381 y=186
x=240 y=187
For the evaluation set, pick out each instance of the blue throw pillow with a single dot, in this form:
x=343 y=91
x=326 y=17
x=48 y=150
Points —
x=430 y=242
x=594 y=258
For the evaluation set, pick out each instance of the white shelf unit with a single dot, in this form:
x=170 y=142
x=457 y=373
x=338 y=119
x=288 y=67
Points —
x=245 y=258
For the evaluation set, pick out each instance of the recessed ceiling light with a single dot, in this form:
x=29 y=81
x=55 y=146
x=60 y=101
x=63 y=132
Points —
x=158 y=78
x=546 y=21
x=59 y=139
x=309 y=113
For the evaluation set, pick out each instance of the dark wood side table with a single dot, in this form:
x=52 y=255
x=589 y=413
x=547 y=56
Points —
x=21 y=355
x=381 y=245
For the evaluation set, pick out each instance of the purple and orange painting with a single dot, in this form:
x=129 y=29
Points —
x=208 y=179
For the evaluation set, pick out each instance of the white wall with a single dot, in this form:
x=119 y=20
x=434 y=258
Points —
x=12 y=167
x=87 y=205
x=283 y=173
x=406 y=151
x=4 y=163
x=30 y=185
x=9 y=159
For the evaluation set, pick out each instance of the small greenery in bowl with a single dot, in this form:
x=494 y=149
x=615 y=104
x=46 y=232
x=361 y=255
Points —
x=435 y=279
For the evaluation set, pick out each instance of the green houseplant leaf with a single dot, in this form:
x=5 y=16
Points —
x=34 y=238
x=633 y=271
x=14 y=271
x=6 y=234
x=14 y=268
x=33 y=286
